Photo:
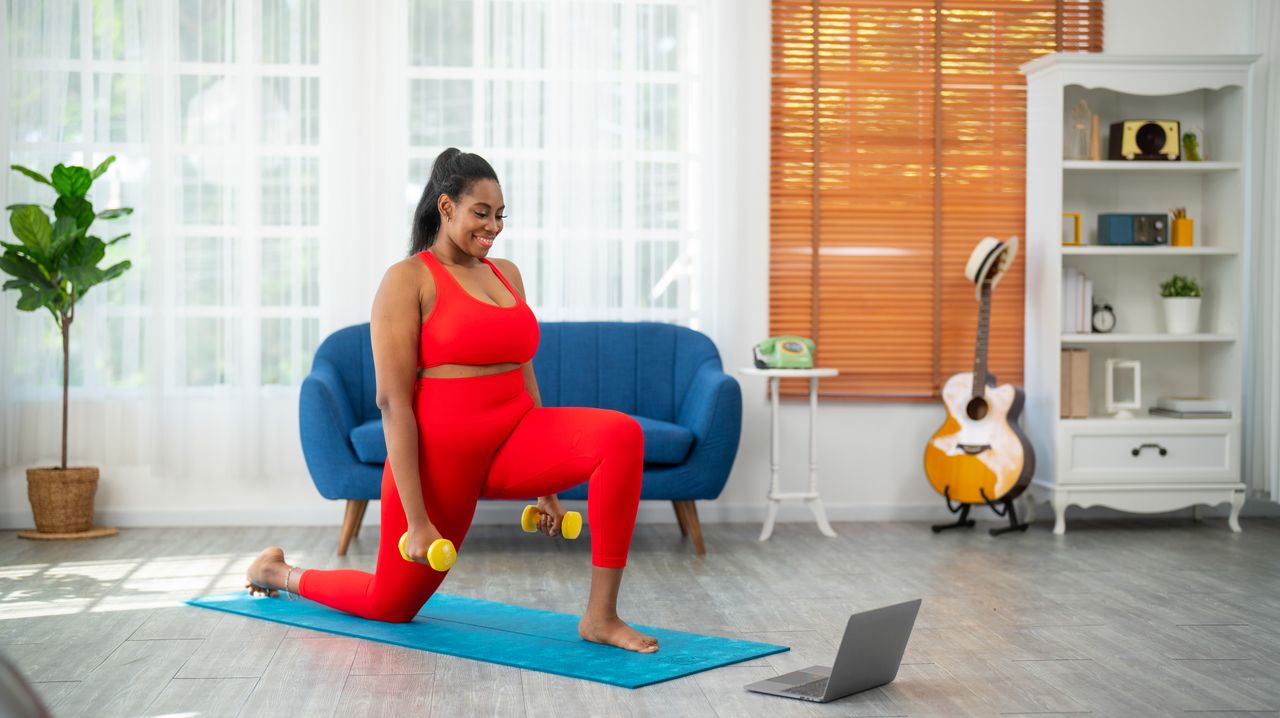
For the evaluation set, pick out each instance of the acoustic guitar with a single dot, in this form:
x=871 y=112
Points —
x=980 y=454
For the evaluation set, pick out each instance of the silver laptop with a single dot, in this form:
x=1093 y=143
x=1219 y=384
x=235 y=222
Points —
x=869 y=656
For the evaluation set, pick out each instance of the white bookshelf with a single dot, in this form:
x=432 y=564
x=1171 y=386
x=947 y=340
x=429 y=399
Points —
x=1106 y=251
x=1114 y=338
x=1174 y=167
x=1178 y=463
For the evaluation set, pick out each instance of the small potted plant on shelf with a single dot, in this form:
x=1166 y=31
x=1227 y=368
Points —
x=53 y=266
x=1181 y=297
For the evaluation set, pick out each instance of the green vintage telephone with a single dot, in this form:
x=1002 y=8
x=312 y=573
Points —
x=784 y=353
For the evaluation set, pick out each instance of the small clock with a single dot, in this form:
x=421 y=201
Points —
x=1104 y=319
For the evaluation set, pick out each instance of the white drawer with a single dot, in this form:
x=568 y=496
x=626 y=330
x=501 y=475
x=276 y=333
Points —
x=1143 y=453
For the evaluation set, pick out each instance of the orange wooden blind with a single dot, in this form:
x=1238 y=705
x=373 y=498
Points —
x=898 y=142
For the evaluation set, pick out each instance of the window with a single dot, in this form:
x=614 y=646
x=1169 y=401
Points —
x=273 y=151
x=898 y=142
x=212 y=110
x=587 y=112
x=247 y=153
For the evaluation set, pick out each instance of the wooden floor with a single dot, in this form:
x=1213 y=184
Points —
x=1140 y=618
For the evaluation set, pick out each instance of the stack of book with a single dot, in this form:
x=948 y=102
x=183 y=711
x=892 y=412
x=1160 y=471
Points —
x=1077 y=302
x=1191 y=407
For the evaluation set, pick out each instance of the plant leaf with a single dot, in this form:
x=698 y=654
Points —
x=114 y=213
x=83 y=277
x=31 y=173
x=113 y=240
x=71 y=181
x=34 y=298
x=100 y=169
x=29 y=301
x=86 y=251
x=78 y=207
x=23 y=268
x=16 y=206
x=64 y=231
x=116 y=270
x=23 y=251
x=31 y=225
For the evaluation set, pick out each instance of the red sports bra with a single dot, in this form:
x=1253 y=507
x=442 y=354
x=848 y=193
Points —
x=464 y=330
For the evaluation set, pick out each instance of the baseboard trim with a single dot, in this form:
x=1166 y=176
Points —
x=651 y=512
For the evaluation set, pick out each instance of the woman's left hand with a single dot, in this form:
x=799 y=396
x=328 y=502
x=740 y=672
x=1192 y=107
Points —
x=552 y=514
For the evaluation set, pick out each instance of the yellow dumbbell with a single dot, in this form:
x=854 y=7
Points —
x=570 y=525
x=441 y=555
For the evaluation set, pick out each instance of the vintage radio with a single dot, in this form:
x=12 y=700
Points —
x=1133 y=229
x=1145 y=140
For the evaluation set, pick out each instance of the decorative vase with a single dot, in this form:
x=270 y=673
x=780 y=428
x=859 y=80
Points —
x=1183 y=232
x=1182 y=315
x=62 y=503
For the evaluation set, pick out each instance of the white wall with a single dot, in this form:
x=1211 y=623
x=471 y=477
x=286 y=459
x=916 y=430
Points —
x=870 y=454
x=1178 y=27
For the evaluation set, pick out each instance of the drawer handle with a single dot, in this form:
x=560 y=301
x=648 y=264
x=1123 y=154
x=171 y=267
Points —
x=1138 y=449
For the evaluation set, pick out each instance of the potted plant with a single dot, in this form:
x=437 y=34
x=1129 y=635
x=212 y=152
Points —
x=53 y=267
x=1181 y=297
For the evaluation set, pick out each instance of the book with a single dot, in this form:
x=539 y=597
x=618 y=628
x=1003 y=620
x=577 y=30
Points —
x=1070 y=300
x=1079 y=302
x=1064 y=385
x=1193 y=403
x=1086 y=307
x=1080 y=383
x=1172 y=414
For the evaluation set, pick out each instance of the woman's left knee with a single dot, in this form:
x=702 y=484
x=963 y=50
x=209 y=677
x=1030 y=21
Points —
x=626 y=435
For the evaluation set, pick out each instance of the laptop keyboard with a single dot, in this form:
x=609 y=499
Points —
x=810 y=690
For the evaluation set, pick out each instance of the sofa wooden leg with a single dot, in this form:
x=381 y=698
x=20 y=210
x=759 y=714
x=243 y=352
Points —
x=360 y=519
x=684 y=530
x=687 y=513
x=350 y=524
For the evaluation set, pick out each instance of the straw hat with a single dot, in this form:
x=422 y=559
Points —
x=990 y=259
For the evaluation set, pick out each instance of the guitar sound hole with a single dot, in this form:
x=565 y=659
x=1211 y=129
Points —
x=976 y=409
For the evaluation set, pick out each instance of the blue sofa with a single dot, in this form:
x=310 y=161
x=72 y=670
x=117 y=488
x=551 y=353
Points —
x=666 y=376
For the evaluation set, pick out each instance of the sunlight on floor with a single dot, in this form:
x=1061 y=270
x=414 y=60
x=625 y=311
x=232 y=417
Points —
x=70 y=587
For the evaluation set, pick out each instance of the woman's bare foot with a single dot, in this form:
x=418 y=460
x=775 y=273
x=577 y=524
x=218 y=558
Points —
x=268 y=573
x=613 y=631
x=600 y=622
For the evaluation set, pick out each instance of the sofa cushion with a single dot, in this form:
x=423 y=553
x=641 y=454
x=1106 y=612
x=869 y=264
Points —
x=370 y=446
x=664 y=442
x=637 y=368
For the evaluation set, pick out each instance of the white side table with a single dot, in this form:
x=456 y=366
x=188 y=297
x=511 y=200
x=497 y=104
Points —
x=776 y=496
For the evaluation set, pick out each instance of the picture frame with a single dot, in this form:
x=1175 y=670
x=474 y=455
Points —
x=1123 y=387
x=1074 y=235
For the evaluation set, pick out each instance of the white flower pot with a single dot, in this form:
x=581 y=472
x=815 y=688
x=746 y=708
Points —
x=1182 y=315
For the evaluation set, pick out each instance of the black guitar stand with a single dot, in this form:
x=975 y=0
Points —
x=964 y=522
x=1009 y=510
x=1004 y=508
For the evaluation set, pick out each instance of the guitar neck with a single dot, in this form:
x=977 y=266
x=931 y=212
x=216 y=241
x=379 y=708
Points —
x=980 y=346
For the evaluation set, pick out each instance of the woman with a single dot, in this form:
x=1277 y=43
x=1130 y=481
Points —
x=468 y=421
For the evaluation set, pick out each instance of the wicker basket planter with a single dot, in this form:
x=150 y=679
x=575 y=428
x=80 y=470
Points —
x=62 y=502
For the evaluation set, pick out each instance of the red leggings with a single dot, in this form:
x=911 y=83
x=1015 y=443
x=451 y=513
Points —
x=482 y=437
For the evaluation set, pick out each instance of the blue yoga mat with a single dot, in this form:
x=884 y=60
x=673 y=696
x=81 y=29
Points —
x=509 y=635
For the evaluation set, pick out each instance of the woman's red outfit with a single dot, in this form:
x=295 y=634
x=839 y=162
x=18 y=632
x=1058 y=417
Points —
x=482 y=437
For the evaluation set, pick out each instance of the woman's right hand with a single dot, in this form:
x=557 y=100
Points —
x=420 y=539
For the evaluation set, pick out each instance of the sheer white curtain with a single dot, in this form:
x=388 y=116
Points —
x=184 y=371
x=1262 y=455
x=273 y=151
